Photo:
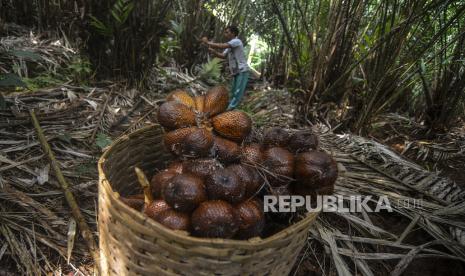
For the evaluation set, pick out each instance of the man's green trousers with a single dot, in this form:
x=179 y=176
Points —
x=239 y=83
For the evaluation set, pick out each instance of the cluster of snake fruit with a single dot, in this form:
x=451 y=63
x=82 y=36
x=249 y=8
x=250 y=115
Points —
x=214 y=186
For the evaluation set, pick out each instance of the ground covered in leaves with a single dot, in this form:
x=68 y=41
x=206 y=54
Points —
x=38 y=234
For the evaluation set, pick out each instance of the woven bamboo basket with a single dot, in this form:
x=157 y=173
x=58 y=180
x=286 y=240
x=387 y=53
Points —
x=133 y=244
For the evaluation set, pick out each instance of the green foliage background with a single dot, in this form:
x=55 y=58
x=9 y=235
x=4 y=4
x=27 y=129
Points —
x=366 y=57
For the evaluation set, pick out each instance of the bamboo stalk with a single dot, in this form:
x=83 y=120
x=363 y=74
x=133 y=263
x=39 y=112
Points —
x=76 y=212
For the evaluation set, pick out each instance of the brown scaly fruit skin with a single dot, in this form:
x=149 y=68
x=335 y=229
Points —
x=201 y=167
x=200 y=103
x=315 y=169
x=181 y=96
x=303 y=140
x=248 y=176
x=174 y=220
x=280 y=162
x=227 y=151
x=190 y=121
x=283 y=190
x=134 y=201
x=224 y=184
x=214 y=219
x=174 y=140
x=191 y=141
x=176 y=167
x=185 y=192
x=234 y=125
x=252 y=154
x=216 y=100
x=159 y=182
x=251 y=219
x=275 y=137
x=198 y=143
x=174 y=115
x=154 y=209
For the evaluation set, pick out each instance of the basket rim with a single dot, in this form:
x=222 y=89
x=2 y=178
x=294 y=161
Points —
x=104 y=183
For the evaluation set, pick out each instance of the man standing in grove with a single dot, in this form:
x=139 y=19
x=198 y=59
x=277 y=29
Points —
x=234 y=52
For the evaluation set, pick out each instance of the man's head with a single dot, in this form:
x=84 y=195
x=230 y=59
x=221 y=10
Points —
x=231 y=32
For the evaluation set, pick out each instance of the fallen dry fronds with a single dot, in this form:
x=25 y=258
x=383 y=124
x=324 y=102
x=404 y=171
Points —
x=75 y=209
x=367 y=243
x=36 y=231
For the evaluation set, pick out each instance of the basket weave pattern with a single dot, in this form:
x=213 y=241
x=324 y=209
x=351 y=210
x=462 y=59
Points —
x=133 y=244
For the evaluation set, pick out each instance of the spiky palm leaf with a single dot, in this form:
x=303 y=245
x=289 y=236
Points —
x=211 y=71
